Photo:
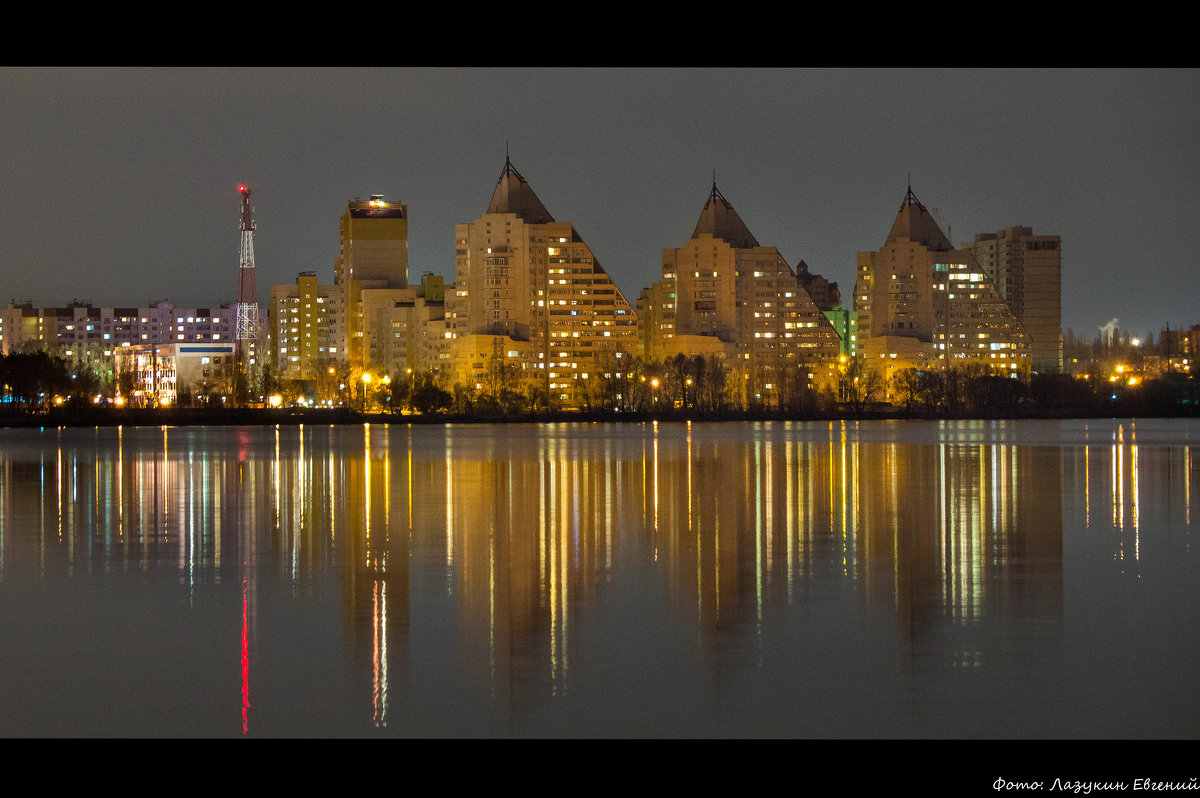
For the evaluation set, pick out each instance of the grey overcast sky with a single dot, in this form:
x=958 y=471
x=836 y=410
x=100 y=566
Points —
x=120 y=185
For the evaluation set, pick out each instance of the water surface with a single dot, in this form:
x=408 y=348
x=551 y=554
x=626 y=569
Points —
x=872 y=579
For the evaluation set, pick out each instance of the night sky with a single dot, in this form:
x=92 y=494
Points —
x=120 y=185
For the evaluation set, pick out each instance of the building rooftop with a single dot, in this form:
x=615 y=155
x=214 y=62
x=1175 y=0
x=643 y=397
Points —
x=720 y=220
x=914 y=222
x=513 y=195
x=376 y=208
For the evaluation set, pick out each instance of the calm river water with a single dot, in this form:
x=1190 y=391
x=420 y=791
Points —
x=1024 y=579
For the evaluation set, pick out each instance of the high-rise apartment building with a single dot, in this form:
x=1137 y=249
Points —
x=305 y=326
x=537 y=291
x=1027 y=271
x=722 y=293
x=373 y=256
x=922 y=303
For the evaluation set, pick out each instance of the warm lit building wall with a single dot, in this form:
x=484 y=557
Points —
x=373 y=254
x=1178 y=348
x=523 y=275
x=975 y=324
x=1027 y=271
x=303 y=326
x=703 y=274
x=384 y=345
x=888 y=355
x=902 y=291
x=502 y=277
x=477 y=361
x=397 y=320
x=722 y=292
x=374 y=243
x=654 y=324
x=162 y=371
x=864 y=290
x=919 y=287
x=692 y=345
x=778 y=324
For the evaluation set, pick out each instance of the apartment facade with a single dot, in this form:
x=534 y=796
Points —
x=82 y=326
x=538 y=291
x=305 y=329
x=922 y=303
x=724 y=294
x=372 y=256
x=1027 y=271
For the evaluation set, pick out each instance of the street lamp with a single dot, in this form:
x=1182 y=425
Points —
x=366 y=384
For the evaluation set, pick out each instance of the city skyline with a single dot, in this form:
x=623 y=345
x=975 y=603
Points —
x=123 y=182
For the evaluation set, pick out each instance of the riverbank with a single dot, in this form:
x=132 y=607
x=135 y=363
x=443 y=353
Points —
x=174 y=417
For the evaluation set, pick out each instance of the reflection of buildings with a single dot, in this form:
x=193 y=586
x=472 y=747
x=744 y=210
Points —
x=1110 y=476
x=735 y=557
x=971 y=557
x=481 y=557
x=947 y=537
x=373 y=489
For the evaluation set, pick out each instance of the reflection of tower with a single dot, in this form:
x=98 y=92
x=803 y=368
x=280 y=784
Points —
x=247 y=302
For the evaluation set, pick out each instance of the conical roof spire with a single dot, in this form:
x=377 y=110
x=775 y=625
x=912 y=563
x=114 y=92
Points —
x=513 y=195
x=914 y=222
x=720 y=220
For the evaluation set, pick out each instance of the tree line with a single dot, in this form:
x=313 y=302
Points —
x=681 y=386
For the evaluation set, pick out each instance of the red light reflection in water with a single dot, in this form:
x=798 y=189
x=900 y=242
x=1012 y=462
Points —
x=243 y=444
x=245 y=664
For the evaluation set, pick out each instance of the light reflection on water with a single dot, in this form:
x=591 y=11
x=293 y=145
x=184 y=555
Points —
x=783 y=578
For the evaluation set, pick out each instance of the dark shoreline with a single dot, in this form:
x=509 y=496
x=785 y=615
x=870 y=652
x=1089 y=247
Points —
x=176 y=417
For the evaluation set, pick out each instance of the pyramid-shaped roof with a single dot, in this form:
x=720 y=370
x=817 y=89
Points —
x=513 y=195
x=915 y=223
x=720 y=220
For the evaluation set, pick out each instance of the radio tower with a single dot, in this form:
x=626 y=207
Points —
x=247 y=303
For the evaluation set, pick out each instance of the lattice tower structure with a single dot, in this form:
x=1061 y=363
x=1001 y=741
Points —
x=247 y=302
